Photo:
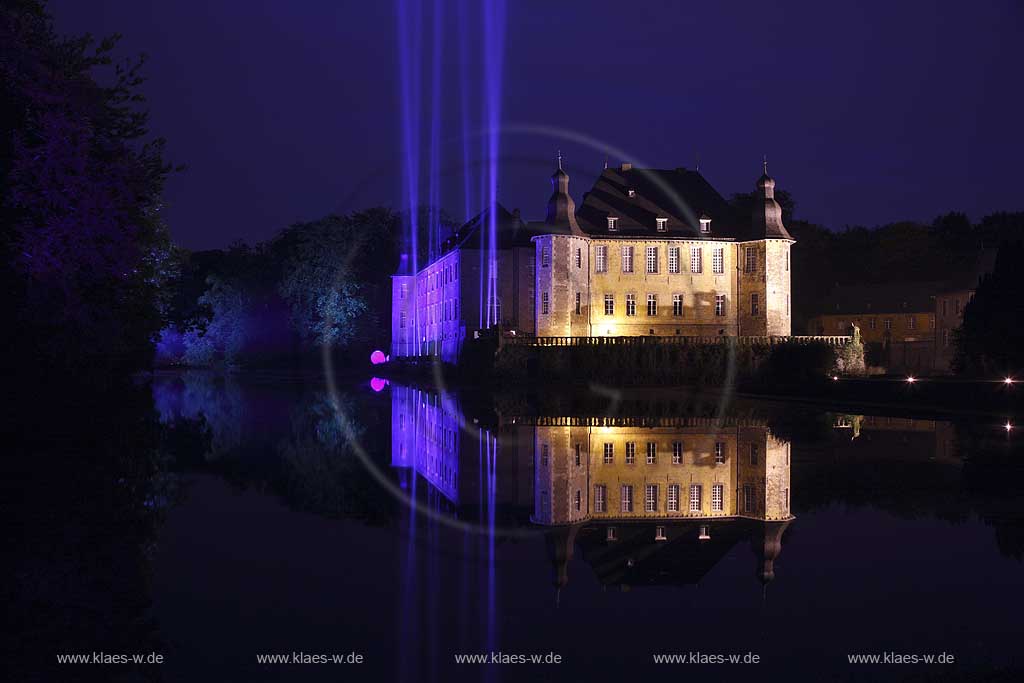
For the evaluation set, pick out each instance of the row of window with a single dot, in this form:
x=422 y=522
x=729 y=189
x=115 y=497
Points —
x=438 y=278
x=750 y=259
x=911 y=323
x=608 y=455
x=652 y=304
x=435 y=313
x=661 y=224
x=652 y=498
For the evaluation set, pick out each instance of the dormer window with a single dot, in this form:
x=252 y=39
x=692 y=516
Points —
x=662 y=224
x=613 y=224
x=631 y=192
x=705 y=224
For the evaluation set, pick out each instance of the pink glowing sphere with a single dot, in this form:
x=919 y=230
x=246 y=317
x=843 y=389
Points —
x=378 y=357
x=378 y=384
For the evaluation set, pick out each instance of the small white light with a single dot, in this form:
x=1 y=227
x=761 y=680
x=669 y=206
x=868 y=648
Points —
x=911 y=380
x=1008 y=426
x=835 y=378
x=1008 y=380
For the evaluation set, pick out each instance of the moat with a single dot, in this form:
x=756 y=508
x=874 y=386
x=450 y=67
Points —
x=606 y=531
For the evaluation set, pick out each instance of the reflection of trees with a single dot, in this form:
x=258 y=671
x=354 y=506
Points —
x=321 y=470
x=899 y=472
x=278 y=437
x=197 y=396
x=92 y=490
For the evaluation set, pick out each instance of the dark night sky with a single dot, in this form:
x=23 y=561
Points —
x=869 y=112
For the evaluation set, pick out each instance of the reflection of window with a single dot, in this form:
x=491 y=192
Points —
x=673 y=497
x=401 y=319
x=609 y=453
x=600 y=498
x=677 y=452
x=888 y=324
x=695 y=494
x=626 y=502
x=717 y=490
x=610 y=534
x=659 y=533
x=652 y=452
x=630 y=452
x=651 y=498
x=911 y=322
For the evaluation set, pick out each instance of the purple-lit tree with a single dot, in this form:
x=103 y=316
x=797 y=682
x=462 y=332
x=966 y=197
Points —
x=84 y=246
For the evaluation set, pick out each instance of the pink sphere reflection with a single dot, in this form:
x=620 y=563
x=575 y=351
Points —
x=378 y=357
x=378 y=384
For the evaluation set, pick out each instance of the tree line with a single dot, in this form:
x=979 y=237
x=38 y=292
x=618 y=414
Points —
x=93 y=283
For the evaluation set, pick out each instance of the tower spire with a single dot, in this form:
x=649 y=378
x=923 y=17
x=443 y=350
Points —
x=559 y=160
x=765 y=162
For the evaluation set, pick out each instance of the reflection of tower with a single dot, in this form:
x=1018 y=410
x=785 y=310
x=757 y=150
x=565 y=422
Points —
x=561 y=475
x=560 y=543
x=767 y=546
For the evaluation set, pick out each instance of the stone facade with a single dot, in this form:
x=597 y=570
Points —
x=705 y=470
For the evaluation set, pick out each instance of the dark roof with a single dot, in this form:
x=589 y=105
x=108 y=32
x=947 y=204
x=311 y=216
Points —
x=512 y=230
x=906 y=297
x=636 y=559
x=967 y=276
x=679 y=195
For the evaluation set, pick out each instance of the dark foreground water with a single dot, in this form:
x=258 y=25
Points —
x=219 y=520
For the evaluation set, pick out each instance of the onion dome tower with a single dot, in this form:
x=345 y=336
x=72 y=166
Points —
x=767 y=212
x=561 y=207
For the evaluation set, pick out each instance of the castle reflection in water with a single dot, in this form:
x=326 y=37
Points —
x=645 y=501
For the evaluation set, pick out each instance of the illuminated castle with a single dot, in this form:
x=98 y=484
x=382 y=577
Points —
x=649 y=252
